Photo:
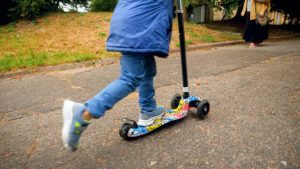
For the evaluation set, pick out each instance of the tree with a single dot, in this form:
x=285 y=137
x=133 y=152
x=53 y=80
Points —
x=103 y=5
x=192 y=3
x=73 y=3
x=290 y=8
x=188 y=3
x=5 y=5
x=227 y=5
x=238 y=17
x=15 y=9
x=27 y=8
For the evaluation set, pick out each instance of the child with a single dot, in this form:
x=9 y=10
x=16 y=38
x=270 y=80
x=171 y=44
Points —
x=139 y=30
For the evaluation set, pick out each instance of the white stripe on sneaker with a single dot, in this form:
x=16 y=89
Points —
x=67 y=121
x=149 y=121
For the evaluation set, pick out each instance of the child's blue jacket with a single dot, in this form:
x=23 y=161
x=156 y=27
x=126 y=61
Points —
x=142 y=26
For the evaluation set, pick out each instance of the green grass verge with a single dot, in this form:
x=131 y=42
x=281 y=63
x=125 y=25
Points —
x=10 y=62
x=59 y=38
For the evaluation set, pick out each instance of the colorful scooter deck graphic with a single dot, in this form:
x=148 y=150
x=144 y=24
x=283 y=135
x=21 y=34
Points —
x=169 y=116
x=130 y=129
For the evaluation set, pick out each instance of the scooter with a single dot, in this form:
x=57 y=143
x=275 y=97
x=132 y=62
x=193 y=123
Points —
x=180 y=104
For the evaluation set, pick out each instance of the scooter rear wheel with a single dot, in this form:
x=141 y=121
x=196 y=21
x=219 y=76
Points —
x=124 y=131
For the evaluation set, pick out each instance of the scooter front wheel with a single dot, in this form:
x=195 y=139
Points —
x=203 y=109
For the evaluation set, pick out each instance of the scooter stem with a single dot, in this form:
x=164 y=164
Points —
x=182 y=49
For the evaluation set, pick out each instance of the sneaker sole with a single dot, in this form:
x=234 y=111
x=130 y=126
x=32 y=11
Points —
x=67 y=120
x=149 y=121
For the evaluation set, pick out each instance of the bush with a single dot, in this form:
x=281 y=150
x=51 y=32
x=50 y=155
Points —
x=103 y=5
x=15 y=9
x=30 y=8
x=4 y=11
x=11 y=10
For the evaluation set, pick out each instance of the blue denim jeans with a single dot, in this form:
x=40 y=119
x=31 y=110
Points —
x=137 y=72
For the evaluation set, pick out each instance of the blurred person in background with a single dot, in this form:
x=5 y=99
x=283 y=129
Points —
x=257 y=28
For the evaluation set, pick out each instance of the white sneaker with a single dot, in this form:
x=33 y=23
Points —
x=150 y=117
x=73 y=124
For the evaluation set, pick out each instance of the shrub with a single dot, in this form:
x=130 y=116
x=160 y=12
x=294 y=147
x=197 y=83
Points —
x=11 y=10
x=30 y=8
x=5 y=5
x=103 y=5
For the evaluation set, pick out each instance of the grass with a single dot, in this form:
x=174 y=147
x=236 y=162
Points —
x=187 y=42
x=208 y=38
x=60 y=38
x=102 y=34
x=11 y=27
x=10 y=62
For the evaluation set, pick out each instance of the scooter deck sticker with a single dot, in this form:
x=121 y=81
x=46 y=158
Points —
x=169 y=116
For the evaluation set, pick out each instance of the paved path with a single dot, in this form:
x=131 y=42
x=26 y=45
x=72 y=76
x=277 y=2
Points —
x=254 y=120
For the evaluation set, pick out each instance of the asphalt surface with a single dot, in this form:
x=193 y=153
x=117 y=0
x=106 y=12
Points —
x=254 y=120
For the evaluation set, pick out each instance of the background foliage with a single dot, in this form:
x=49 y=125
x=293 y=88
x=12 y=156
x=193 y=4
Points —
x=15 y=9
x=289 y=7
x=103 y=5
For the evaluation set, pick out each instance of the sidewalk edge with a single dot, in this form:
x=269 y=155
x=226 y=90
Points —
x=114 y=60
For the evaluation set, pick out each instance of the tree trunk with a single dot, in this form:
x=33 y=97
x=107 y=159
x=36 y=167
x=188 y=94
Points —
x=185 y=14
x=238 y=18
x=57 y=4
x=225 y=14
x=285 y=16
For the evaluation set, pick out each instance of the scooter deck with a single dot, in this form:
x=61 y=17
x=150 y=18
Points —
x=168 y=117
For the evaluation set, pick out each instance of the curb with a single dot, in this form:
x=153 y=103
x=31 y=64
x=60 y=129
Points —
x=210 y=45
x=101 y=62
x=115 y=60
x=228 y=43
x=285 y=37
